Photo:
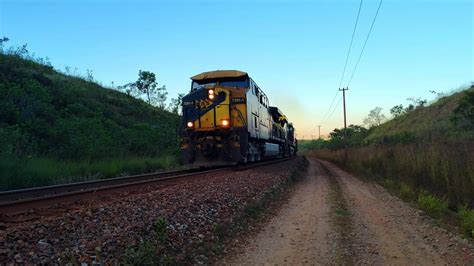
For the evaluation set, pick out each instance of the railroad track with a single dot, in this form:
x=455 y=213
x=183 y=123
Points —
x=18 y=201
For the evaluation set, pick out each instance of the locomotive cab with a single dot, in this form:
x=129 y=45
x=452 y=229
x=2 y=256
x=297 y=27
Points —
x=213 y=122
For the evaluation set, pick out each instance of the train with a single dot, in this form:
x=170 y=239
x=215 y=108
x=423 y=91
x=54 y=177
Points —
x=227 y=119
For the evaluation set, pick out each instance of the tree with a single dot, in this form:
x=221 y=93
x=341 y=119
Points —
x=355 y=136
x=417 y=102
x=175 y=104
x=438 y=94
x=129 y=89
x=2 y=43
x=397 y=110
x=375 y=117
x=352 y=130
x=159 y=96
x=146 y=83
x=89 y=75
x=22 y=51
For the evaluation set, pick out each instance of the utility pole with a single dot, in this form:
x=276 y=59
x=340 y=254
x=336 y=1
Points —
x=345 y=123
x=319 y=131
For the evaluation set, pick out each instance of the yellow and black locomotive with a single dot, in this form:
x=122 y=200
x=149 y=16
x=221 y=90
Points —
x=227 y=120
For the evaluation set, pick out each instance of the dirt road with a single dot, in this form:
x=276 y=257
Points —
x=335 y=218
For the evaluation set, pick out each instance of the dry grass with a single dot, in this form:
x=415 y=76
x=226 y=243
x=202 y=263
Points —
x=443 y=169
x=429 y=122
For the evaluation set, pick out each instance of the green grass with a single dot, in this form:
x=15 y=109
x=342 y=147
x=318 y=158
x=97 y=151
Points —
x=33 y=172
x=152 y=251
x=144 y=254
x=406 y=192
x=466 y=218
x=160 y=228
x=432 y=205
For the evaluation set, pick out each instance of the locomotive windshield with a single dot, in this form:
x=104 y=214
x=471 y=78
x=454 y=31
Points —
x=224 y=82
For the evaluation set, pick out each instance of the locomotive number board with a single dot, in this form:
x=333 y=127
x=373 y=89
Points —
x=238 y=100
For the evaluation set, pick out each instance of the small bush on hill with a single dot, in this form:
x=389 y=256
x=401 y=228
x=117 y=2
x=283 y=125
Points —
x=464 y=113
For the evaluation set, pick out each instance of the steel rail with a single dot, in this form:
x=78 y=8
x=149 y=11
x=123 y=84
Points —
x=49 y=192
x=11 y=198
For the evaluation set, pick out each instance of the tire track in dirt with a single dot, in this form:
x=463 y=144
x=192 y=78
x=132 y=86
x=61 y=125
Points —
x=298 y=234
x=341 y=224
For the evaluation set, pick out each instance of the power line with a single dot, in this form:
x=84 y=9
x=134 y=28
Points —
x=333 y=110
x=363 y=47
x=329 y=109
x=325 y=118
x=350 y=45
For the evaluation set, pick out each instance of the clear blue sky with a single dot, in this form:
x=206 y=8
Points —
x=295 y=50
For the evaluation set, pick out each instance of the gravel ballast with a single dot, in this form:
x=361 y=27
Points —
x=174 y=222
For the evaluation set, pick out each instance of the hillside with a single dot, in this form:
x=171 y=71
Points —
x=49 y=121
x=422 y=151
x=429 y=122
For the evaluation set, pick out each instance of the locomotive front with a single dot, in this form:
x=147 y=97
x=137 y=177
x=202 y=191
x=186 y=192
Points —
x=213 y=127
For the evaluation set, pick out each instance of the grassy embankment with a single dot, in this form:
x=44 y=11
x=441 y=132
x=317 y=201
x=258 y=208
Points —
x=422 y=156
x=56 y=128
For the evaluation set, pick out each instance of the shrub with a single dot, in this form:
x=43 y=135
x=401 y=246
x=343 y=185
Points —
x=434 y=206
x=466 y=218
x=464 y=113
x=388 y=184
x=406 y=192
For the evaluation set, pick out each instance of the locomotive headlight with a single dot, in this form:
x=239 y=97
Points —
x=225 y=122
x=190 y=124
x=211 y=94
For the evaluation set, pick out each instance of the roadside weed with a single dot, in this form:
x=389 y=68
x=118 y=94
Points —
x=406 y=192
x=466 y=218
x=160 y=229
x=143 y=254
x=434 y=206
